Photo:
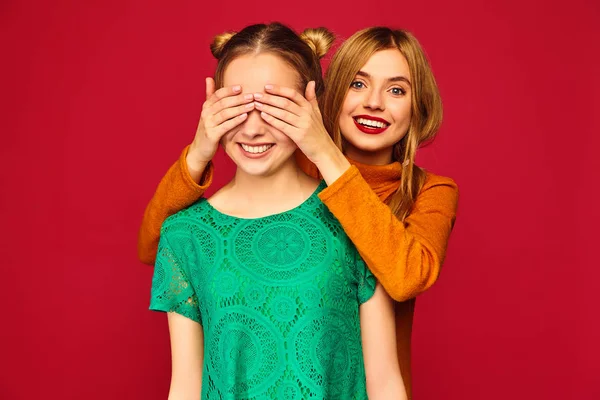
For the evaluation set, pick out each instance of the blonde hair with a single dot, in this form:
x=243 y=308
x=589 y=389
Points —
x=301 y=52
x=426 y=103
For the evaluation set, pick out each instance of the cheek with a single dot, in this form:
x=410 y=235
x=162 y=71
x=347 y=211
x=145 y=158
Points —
x=351 y=101
x=401 y=112
x=284 y=141
x=227 y=140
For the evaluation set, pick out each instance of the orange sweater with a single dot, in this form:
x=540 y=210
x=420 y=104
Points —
x=405 y=257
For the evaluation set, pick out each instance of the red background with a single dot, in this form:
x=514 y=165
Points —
x=99 y=97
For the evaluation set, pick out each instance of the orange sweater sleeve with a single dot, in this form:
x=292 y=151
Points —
x=175 y=192
x=405 y=257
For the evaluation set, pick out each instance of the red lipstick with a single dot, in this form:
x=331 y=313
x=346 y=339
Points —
x=368 y=129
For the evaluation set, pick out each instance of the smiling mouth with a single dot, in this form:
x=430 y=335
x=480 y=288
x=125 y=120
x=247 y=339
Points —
x=256 y=149
x=370 y=125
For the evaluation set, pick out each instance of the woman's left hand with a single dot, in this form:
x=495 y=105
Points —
x=298 y=117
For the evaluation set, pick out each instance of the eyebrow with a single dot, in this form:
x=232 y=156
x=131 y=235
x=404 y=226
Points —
x=392 y=79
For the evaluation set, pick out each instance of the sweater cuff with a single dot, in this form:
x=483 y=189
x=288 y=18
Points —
x=205 y=179
x=341 y=183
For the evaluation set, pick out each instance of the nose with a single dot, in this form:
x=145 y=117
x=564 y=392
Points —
x=374 y=100
x=254 y=126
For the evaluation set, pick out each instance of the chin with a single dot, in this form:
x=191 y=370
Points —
x=367 y=144
x=253 y=170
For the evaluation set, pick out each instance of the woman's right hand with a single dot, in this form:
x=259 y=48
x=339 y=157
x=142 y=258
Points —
x=222 y=111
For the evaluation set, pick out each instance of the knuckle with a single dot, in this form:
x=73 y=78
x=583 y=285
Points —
x=226 y=102
x=232 y=112
x=223 y=116
x=220 y=93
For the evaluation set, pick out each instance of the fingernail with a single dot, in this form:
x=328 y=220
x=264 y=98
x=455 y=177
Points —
x=249 y=105
x=258 y=96
x=258 y=105
x=268 y=87
x=248 y=96
x=237 y=88
x=243 y=116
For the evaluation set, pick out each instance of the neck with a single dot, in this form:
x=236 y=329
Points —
x=378 y=157
x=287 y=184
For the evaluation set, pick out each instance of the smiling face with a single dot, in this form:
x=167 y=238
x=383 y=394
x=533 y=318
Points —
x=255 y=146
x=377 y=108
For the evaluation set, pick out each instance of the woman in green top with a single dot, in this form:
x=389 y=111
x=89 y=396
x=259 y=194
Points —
x=265 y=293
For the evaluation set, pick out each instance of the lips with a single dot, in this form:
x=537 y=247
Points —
x=256 y=150
x=370 y=125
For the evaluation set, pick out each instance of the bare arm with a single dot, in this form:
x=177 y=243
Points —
x=378 y=330
x=187 y=357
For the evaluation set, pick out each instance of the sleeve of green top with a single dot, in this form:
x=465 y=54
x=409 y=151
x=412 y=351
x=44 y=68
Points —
x=172 y=291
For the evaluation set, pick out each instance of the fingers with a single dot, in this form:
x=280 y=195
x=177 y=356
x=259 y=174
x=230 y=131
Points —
x=311 y=94
x=279 y=102
x=289 y=93
x=228 y=125
x=279 y=113
x=280 y=125
x=221 y=94
x=210 y=87
x=227 y=102
x=230 y=112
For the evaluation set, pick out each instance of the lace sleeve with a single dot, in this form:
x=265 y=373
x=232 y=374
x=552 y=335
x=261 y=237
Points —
x=172 y=291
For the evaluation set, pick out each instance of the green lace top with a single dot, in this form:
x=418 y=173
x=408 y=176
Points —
x=278 y=299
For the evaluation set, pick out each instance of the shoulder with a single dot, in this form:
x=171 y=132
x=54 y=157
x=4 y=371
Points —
x=433 y=180
x=439 y=183
x=439 y=192
x=185 y=216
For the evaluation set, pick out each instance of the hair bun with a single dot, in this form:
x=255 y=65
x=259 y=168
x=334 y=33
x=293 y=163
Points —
x=219 y=42
x=319 y=40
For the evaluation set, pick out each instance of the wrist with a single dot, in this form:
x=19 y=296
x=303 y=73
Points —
x=195 y=165
x=332 y=164
x=198 y=155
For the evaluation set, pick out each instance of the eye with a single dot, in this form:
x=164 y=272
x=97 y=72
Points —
x=357 y=85
x=397 y=91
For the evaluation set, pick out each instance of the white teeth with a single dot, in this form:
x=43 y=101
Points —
x=256 y=149
x=370 y=123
